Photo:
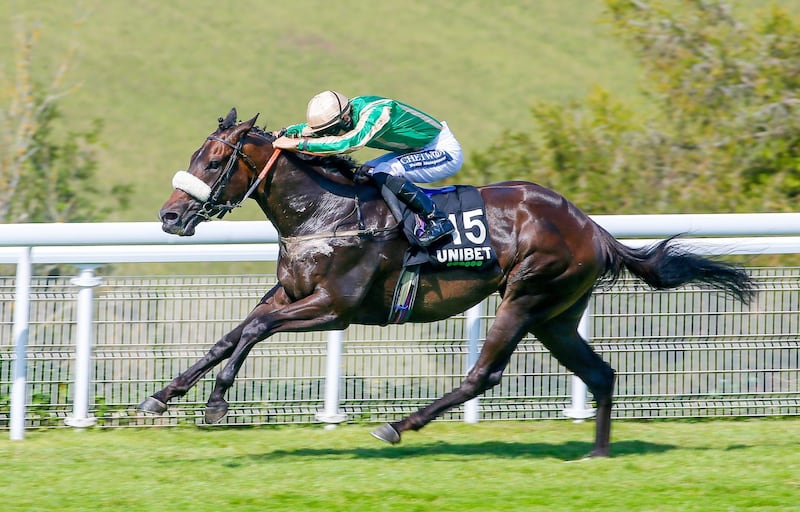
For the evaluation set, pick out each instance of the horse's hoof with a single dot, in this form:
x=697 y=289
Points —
x=387 y=433
x=152 y=406
x=215 y=413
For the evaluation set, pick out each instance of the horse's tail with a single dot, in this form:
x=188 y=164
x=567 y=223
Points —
x=665 y=265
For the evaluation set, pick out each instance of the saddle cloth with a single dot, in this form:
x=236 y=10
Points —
x=468 y=247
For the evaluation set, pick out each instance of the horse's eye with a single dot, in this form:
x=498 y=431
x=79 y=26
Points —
x=213 y=164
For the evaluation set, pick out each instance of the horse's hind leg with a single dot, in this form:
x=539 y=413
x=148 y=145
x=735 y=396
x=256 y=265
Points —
x=511 y=323
x=560 y=336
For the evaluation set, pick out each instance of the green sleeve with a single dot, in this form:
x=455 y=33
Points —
x=370 y=124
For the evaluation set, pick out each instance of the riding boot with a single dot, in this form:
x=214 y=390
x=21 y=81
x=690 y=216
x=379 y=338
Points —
x=435 y=223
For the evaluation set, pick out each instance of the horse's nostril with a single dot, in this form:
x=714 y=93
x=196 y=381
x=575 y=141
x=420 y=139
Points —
x=169 y=217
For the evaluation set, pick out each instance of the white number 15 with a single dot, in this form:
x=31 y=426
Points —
x=472 y=226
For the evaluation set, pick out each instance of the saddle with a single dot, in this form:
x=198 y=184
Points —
x=469 y=247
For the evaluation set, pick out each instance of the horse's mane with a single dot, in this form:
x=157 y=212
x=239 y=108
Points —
x=342 y=164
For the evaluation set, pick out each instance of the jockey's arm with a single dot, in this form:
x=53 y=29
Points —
x=371 y=122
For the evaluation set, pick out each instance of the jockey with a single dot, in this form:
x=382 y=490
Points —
x=420 y=148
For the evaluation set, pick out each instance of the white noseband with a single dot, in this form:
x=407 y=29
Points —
x=192 y=185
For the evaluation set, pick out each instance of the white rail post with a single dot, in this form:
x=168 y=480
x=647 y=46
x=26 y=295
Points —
x=579 y=410
x=83 y=348
x=473 y=328
x=22 y=302
x=331 y=414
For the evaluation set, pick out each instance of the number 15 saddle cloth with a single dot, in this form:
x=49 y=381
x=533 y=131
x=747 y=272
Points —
x=468 y=247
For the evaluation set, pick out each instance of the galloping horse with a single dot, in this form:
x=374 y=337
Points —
x=341 y=254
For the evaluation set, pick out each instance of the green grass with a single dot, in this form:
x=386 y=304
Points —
x=681 y=466
x=160 y=73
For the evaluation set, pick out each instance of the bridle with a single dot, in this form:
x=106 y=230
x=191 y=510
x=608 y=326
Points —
x=212 y=206
x=210 y=196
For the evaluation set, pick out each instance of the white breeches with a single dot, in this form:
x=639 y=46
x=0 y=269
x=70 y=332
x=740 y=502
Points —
x=438 y=160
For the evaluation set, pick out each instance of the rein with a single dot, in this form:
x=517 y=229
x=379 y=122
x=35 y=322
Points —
x=263 y=174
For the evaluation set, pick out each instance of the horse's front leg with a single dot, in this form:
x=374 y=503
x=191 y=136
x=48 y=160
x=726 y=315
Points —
x=312 y=313
x=158 y=402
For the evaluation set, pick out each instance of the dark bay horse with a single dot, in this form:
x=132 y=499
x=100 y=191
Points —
x=341 y=253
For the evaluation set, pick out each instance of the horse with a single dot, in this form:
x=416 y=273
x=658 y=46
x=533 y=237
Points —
x=341 y=255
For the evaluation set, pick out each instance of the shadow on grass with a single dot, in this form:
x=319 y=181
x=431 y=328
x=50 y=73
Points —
x=571 y=450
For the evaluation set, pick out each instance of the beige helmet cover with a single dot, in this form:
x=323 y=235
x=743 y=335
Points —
x=324 y=110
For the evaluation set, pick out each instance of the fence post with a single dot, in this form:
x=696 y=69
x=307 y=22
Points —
x=331 y=414
x=579 y=410
x=83 y=347
x=473 y=329
x=22 y=304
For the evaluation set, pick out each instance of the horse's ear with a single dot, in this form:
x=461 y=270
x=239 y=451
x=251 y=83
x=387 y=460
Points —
x=251 y=122
x=243 y=128
x=230 y=120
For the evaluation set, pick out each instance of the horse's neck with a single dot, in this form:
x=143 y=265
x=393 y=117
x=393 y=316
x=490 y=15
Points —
x=301 y=202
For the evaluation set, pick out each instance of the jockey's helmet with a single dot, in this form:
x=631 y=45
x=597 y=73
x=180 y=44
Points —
x=326 y=110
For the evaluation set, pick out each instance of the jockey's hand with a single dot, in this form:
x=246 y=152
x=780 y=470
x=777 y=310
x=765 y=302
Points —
x=284 y=142
x=279 y=133
x=362 y=175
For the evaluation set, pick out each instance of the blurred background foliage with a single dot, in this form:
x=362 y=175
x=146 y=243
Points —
x=720 y=131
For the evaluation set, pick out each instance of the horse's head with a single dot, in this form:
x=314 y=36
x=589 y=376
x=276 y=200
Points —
x=218 y=179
